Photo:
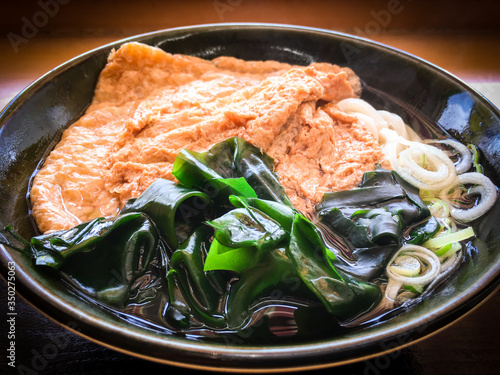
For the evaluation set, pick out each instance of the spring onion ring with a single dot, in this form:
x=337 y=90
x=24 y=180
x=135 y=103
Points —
x=448 y=250
x=422 y=254
x=438 y=207
x=406 y=265
x=398 y=279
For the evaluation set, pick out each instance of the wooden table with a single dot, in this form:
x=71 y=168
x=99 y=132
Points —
x=464 y=42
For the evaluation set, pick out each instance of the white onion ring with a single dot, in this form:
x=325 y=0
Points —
x=465 y=155
x=442 y=177
x=485 y=188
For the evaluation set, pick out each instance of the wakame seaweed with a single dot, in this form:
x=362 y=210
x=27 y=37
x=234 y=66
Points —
x=229 y=243
x=374 y=220
x=230 y=167
x=101 y=258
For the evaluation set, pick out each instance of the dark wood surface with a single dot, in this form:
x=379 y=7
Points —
x=462 y=37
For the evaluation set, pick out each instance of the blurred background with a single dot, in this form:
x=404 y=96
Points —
x=462 y=37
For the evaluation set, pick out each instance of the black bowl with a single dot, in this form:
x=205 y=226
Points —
x=428 y=98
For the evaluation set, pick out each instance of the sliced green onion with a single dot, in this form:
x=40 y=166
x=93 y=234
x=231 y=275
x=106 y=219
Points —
x=443 y=250
x=441 y=241
x=475 y=158
x=438 y=207
x=417 y=289
x=448 y=250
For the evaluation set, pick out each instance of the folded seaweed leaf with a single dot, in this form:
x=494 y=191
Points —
x=273 y=280
x=373 y=219
x=423 y=232
x=242 y=236
x=366 y=263
x=383 y=226
x=102 y=257
x=342 y=295
x=175 y=209
x=230 y=159
x=230 y=258
x=415 y=211
x=196 y=297
x=378 y=189
x=265 y=253
x=281 y=213
x=194 y=293
x=247 y=227
x=366 y=227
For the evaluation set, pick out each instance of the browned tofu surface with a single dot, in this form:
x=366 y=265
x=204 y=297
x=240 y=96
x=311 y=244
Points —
x=149 y=105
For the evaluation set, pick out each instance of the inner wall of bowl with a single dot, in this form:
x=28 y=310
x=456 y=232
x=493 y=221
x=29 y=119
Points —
x=393 y=81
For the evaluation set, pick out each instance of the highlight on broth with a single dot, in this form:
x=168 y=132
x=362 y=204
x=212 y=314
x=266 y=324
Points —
x=222 y=249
